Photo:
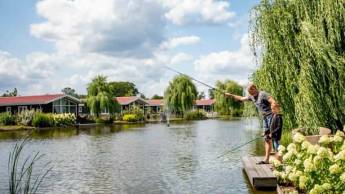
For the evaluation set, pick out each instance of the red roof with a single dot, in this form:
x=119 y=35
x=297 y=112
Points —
x=128 y=100
x=155 y=102
x=205 y=102
x=27 y=100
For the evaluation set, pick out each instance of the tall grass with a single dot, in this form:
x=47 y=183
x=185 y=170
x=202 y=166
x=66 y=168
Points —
x=286 y=138
x=23 y=178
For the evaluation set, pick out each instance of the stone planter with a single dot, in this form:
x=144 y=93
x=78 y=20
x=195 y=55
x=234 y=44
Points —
x=313 y=139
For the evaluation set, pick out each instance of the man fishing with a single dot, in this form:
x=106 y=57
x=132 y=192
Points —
x=262 y=101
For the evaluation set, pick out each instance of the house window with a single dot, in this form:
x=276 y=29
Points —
x=64 y=106
x=22 y=108
x=80 y=109
x=8 y=109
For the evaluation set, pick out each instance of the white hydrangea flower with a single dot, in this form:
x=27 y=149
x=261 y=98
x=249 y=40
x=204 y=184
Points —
x=323 y=153
x=291 y=147
x=298 y=138
x=276 y=163
x=312 y=149
x=308 y=165
x=302 y=182
x=305 y=145
x=317 y=161
x=324 y=140
x=334 y=169
x=340 y=155
x=337 y=139
x=342 y=177
x=326 y=186
x=298 y=162
x=316 y=190
x=340 y=133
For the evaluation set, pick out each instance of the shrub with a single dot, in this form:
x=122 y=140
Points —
x=136 y=110
x=7 y=119
x=313 y=168
x=130 y=118
x=25 y=117
x=43 y=120
x=64 y=119
x=195 y=115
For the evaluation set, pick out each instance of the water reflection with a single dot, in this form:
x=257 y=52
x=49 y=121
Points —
x=151 y=158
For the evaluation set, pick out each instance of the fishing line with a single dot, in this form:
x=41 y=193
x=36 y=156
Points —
x=212 y=87
x=238 y=147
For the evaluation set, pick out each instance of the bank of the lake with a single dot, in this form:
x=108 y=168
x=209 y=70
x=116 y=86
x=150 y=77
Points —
x=141 y=158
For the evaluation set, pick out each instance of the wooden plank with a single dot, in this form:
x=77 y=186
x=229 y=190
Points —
x=259 y=175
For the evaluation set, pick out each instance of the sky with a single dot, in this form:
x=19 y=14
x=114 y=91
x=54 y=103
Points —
x=48 y=45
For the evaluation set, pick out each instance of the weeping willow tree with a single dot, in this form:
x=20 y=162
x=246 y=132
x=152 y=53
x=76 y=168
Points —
x=99 y=96
x=225 y=105
x=180 y=95
x=300 y=45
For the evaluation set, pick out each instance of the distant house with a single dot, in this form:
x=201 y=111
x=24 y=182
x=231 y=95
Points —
x=49 y=103
x=155 y=105
x=205 y=104
x=127 y=102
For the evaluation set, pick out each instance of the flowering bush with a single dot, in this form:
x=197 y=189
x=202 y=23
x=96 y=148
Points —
x=313 y=168
x=25 y=117
x=64 y=119
x=130 y=118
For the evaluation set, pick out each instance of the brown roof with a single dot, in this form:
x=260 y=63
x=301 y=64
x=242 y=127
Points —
x=128 y=100
x=27 y=100
x=204 y=102
x=155 y=102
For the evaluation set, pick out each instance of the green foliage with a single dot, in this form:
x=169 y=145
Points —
x=195 y=115
x=24 y=178
x=156 y=97
x=43 y=120
x=9 y=93
x=225 y=105
x=201 y=95
x=25 y=117
x=118 y=89
x=302 y=46
x=70 y=91
x=180 y=94
x=130 y=118
x=6 y=119
x=249 y=110
x=100 y=97
x=286 y=138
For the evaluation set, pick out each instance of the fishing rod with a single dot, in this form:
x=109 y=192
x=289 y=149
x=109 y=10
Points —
x=238 y=147
x=211 y=87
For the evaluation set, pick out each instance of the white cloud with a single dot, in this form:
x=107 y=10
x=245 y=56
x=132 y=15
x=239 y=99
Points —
x=180 y=41
x=182 y=12
x=114 y=27
x=234 y=65
x=180 y=58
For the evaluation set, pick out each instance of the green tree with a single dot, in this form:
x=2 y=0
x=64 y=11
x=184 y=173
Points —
x=123 y=89
x=211 y=93
x=99 y=96
x=156 y=97
x=301 y=46
x=69 y=91
x=201 y=95
x=10 y=93
x=180 y=95
x=225 y=105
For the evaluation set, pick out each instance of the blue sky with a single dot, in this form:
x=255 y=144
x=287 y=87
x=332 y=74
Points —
x=50 y=44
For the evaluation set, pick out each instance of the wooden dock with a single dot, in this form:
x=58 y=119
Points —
x=260 y=175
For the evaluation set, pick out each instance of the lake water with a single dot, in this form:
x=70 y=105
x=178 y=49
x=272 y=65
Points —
x=146 y=158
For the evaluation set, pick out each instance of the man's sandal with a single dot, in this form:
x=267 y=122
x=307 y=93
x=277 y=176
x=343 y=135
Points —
x=262 y=162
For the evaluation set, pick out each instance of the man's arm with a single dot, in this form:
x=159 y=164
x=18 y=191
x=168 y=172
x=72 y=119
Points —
x=239 y=98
